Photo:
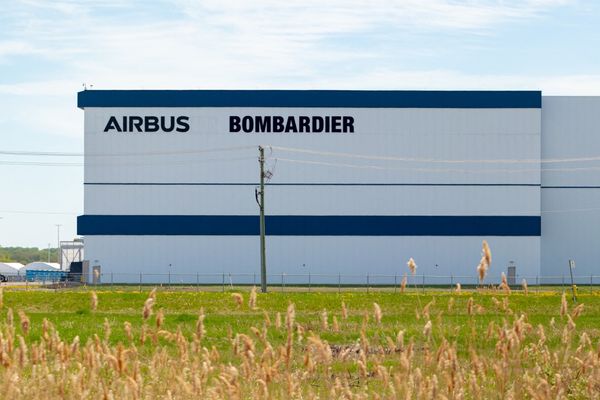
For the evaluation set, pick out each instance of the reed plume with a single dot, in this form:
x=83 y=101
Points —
x=25 y=323
x=252 y=299
x=482 y=268
x=377 y=312
x=200 y=331
x=94 y=301
x=427 y=330
x=344 y=311
x=160 y=318
x=238 y=299
x=403 y=283
x=147 y=311
x=470 y=306
x=487 y=253
x=485 y=262
x=564 y=307
x=324 y=320
x=504 y=284
x=412 y=266
x=290 y=316
x=577 y=311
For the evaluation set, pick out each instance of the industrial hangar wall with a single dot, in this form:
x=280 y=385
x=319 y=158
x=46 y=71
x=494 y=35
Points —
x=570 y=187
x=362 y=180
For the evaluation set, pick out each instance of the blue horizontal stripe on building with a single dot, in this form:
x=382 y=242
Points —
x=310 y=98
x=310 y=225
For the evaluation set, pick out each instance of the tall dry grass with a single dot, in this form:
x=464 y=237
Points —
x=379 y=365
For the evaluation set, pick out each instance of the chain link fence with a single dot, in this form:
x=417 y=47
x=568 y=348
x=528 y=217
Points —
x=297 y=282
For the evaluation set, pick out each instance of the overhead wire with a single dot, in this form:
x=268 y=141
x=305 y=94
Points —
x=304 y=151
x=419 y=169
x=41 y=163
x=571 y=210
x=328 y=154
x=435 y=160
x=119 y=154
x=38 y=212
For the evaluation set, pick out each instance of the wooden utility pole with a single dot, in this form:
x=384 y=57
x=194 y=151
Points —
x=261 y=206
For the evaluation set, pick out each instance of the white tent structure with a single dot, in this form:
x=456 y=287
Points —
x=42 y=266
x=10 y=268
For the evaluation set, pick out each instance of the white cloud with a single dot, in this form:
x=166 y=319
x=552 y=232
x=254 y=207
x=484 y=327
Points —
x=260 y=44
x=343 y=16
x=573 y=85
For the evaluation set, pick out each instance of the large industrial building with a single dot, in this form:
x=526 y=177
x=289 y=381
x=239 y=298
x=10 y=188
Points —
x=357 y=182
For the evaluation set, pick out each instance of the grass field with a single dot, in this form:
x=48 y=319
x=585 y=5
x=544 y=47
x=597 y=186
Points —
x=486 y=344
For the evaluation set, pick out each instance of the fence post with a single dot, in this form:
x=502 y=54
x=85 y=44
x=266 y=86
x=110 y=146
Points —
x=537 y=283
x=111 y=281
x=282 y=281
x=254 y=279
x=368 y=283
x=169 y=280
x=591 y=284
x=395 y=282
x=451 y=281
x=197 y=282
x=309 y=282
x=223 y=283
x=140 y=282
x=339 y=282
x=563 y=283
x=423 y=283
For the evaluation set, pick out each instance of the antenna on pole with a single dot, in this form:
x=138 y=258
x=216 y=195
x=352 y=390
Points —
x=260 y=197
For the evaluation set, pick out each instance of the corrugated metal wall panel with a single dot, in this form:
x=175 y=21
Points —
x=571 y=190
x=360 y=186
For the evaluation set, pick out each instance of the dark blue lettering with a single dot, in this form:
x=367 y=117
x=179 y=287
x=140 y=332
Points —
x=182 y=123
x=234 y=123
x=278 y=124
x=112 y=124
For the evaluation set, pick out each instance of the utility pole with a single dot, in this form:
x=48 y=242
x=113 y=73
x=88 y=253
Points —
x=261 y=206
x=571 y=266
x=58 y=243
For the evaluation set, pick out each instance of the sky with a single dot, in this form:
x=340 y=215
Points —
x=49 y=49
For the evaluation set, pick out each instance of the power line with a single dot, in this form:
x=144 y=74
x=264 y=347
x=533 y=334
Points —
x=418 y=169
x=122 y=163
x=38 y=212
x=571 y=210
x=305 y=151
x=435 y=160
x=41 y=163
x=39 y=153
x=91 y=154
x=162 y=162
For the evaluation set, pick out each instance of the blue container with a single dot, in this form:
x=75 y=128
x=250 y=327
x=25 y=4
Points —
x=45 y=276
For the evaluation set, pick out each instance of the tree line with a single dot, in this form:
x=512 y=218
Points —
x=25 y=255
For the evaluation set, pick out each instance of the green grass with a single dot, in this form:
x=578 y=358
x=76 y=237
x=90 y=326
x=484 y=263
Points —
x=69 y=311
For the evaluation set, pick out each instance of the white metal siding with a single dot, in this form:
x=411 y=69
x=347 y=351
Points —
x=458 y=134
x=571 y=195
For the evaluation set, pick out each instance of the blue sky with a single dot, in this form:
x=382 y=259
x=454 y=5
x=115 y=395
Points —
x=48 y=49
